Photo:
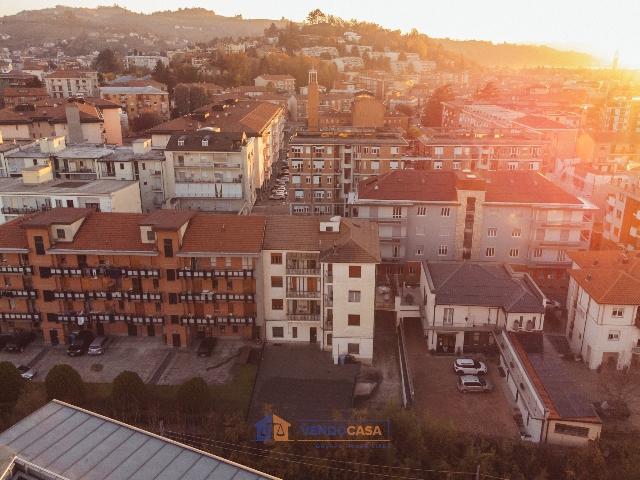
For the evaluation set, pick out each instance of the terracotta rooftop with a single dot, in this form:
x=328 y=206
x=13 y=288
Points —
x=212 y=233
x=410 y=185
x=607 y=259
x=217 y=141
x=12 y=235
x=58 y=216
x=71 y=73
x=355 y=242
x=525 y=187
x=168 y=219
x=109 y=232
x=276 y=77
x=539 y=123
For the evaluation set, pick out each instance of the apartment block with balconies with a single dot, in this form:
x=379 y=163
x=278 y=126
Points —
x=621 y=226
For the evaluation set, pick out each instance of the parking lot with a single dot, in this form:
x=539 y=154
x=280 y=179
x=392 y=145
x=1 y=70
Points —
x=147 y=356
x=437 y=395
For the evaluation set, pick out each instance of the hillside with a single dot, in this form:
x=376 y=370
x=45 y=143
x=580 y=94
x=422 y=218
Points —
x=510 y=55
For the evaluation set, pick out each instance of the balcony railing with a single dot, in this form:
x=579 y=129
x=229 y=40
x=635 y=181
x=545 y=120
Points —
x=19 y=211
x=189 y=273
x=298 y=294
x=328 y=277
x=19 y=293
x=34 y=317
x=69 y=317
x=103 y=271
x=303 y=271
x=305 y=317
x=215 y=320
x=19 y=270
x=328 y=324
x=145 y=297
x=328 y=300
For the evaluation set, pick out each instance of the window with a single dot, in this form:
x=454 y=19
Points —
x=442 y=250
x=276 y=259
x=419 y=249
x=355 y=271
x=618 y=214
x=514 y=253
x=229 y=285
x=617 y=312
x=168 y=248
x=151 y=235
x=354 y=295
x=156 y=283
x=60 y=233
x=516 y=232
x=277 y=304
x=437 y=165
x=277 y=332
x=490 y=252
x=492 y=232
x=353 y=348
x=294 y=332
x=122 y=166
x=574 y=431
x=397 y=212
x=422 y=211
x=175 y=319
x=447 y=318
x=173 y=298
x=353 y=320
x=39 y=244
x=276 y=282
x=7 y=281
x=171 y=275
x=223 y=328
x=12 y=304
x=438 y=150
x=456 y=165
x=614 y=335
x=445 y=212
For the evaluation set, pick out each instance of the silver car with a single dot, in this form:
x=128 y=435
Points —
x=99 y=345
x=472 y=384
x=26 y=372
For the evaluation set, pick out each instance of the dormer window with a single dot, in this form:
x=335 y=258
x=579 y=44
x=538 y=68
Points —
x=205 y=142
x=181 y=141
x=151 y=235
x=60 y=233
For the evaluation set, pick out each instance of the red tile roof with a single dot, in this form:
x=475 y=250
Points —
x=213 y=233
x=540 y=123
x=410 y=185
x=525 y=187
x=57 y=216
x=71 y=73
x=171 y=220
x=12 y=235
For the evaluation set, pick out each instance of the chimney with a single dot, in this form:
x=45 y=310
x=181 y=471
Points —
x=73 y=123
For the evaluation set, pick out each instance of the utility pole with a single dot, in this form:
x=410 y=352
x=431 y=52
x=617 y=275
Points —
x=478 y=473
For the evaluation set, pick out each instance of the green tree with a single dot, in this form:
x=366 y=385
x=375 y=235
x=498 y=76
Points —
x=181 y=96
x=316 y=16
x=160 y=73
x=64 y=383
x=433 y=110
x=197 y=98
x=108 y=62
x=10 y=382
x=194 y=396
x=129 y=391
x=145 y=121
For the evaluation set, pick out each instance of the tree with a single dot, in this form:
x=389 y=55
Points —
x=145 y=121
x=197 y=97
x=10 y=382
x=316 y=16
x=129 y=391
x=107 y=62
x=160 y=72
x=181 y=96
x=194 y=396
x=433 y=110
x=64 y=383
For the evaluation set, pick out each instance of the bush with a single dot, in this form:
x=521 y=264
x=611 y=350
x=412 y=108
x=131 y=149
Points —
x=129 y=391
x=10 y=382
x=194 y=396
x=64 y=383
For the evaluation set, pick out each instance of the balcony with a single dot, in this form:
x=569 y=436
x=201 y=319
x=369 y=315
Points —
x=142 y=272
x=328 y=300
x=328 y=324
x=72 y=317
x=28 y=294
x=189 y=273
x=19 y=211
x=297 y=294
x=144 y=297
x=20 y=270
x=328 y=277
x=155 y=172
x=202 y=297
x=34 y=317
x=303 y=271
x=76 y=170
x=304 y=317
x=198 y=320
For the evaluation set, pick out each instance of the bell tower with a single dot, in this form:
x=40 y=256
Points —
x=313 y=99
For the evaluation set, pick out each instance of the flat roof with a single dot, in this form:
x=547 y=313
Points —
x=62 y=186
x=75 y=443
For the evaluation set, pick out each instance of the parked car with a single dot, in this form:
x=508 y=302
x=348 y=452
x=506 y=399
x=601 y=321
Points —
x=99 y=345
x=80 y=342
x=469 y=366
x=276 y=196
x=26 y=372
x=611 y=411
x=206 y=346
x=473 y=384
x=19 y=341
x=3 y=340
x=553 y=304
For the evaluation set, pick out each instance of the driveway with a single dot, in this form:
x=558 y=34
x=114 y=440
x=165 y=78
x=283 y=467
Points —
x=437 y=395
x=301 y=382
x=147 y=356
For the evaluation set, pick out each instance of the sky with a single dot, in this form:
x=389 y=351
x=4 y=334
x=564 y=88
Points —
x=598 y=27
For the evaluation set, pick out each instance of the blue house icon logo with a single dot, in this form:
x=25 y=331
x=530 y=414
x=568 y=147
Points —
x=272 y=427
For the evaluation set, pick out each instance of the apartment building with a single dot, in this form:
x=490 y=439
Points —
x=144 y=61
x=138 y=100
x=620 y=114
x=276 y=82
x=463 y=150
x=603 y=325
x=319 y=283
x=262 y=121
x=72 y=83
x=616 y=147
x=13 y=96
x=171 y=274
x=81 y=120
x=211 y=171
x=519 y=218
x=621 y=225
x=326 y=165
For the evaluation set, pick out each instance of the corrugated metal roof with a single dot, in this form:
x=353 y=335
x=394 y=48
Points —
x=78 y=444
